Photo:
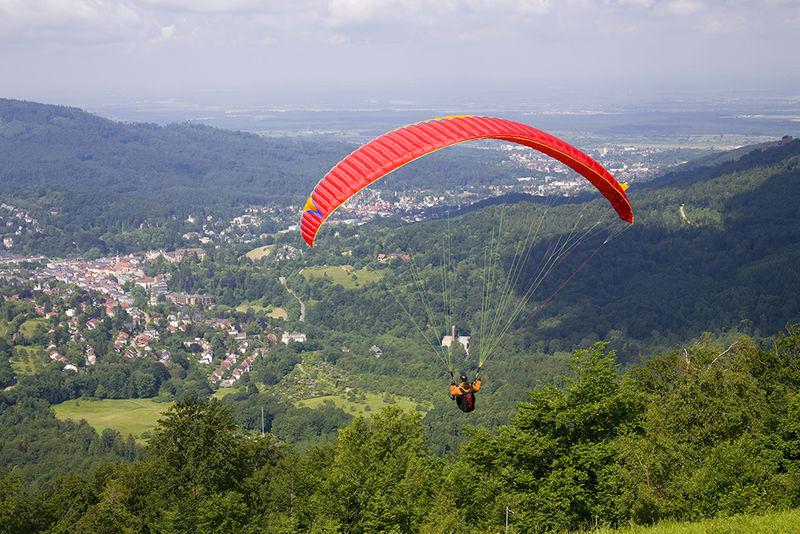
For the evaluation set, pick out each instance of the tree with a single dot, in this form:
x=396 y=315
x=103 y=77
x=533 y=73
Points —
x=382 y=476
x=555 y=464
x=705 y=447
x=216 y=462
x=17 y=510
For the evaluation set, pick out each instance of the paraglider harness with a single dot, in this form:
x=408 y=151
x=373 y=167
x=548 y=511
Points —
x=465 y=401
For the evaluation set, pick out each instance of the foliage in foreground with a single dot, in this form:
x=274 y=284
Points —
x=697 y=433
x=773 y=523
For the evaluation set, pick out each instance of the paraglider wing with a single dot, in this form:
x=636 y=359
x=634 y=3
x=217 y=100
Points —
x=392 y=150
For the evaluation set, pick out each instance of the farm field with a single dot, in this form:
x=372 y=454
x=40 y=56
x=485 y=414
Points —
x=260 y=252
x=128 y=416
x=344 y=275
x=371 y=403
x=275 y=313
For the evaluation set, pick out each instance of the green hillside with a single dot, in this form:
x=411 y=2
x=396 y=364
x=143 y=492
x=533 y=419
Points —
x=95 y=183
x=714 y=253
x=90 y=180
x=702 y=439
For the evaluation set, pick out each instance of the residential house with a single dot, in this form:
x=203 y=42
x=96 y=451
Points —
x=91 y=357
x=120 y=341
x=296 y=337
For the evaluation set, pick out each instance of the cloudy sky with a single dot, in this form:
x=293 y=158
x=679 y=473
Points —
x=271 y=50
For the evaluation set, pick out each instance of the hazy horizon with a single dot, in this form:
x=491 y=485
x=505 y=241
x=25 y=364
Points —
x=337 y=53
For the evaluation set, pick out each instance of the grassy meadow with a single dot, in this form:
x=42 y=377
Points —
x=776 y=523
x=344 y=275
x=128 y=416
x=260 y=252
x=29 y=327
x=363 y=404
x=275 y=313
x=28 y=360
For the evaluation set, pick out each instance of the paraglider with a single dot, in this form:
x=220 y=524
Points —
x=388 y=152
x=464 y=392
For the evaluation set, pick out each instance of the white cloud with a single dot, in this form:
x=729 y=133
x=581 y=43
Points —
x=70 y=21
x=508 y=8
x=722 y=23
x=168 y=33
x=343 y=12
x=228 y=41
x=411 y=14
x=62 y=13
x=685 y=7
x=636 y=3
x=210 y=6
x=338 y=39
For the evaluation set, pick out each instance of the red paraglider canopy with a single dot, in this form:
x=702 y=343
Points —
x=392 y=150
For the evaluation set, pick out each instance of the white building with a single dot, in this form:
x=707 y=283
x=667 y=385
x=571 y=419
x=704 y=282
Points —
x=297 y=337
x=447 y=341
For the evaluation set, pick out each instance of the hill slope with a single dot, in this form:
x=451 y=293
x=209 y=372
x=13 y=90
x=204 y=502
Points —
x=103 y=178
x=712 y=249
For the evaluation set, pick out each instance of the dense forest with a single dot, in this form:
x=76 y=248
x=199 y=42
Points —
x=702 y=432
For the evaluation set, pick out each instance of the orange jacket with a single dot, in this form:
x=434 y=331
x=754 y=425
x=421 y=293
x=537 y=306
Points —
x=465 y=387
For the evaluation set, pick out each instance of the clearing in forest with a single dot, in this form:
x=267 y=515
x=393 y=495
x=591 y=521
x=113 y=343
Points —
x=128 y=416
x=364 y=404
x=260 y=252
x=344 y=275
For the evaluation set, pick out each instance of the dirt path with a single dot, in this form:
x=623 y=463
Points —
x=682 y=214
x=292 y=293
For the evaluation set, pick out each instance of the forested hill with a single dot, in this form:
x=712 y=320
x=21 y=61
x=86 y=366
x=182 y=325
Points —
x=714 y=248
x=737 y=160
x=89 y=180
x=103 y=175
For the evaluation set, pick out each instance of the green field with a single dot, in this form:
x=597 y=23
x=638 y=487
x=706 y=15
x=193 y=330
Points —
x=27 y=360
x=28 y=327
x=128 y=416
x=278 y=313
x=275 y=313
x=776 y=523
x=372 y=403
x=344 y=275
x=260 y=252
x=221 y=393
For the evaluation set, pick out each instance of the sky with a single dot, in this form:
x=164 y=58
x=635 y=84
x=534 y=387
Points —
x=397 y=51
